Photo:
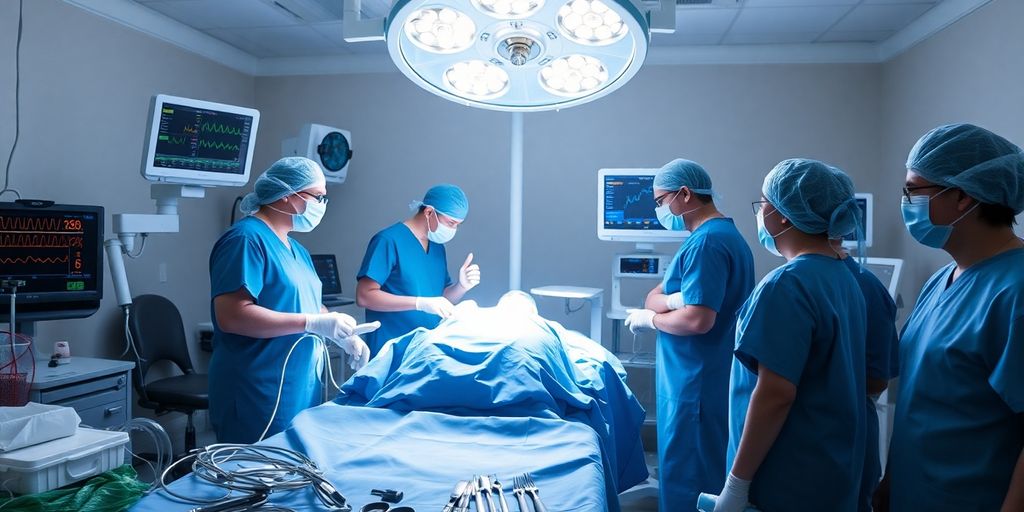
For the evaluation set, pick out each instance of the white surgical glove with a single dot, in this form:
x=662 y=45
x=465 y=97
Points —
x=734 y=495
x=469 y=274
x=640 y=320
x=675 y=301
x=358 y=352
x=333 y=325
x=439 y=306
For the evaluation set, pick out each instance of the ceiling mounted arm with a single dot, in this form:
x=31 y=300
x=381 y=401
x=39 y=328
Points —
x=663 y=17
x=358 y=30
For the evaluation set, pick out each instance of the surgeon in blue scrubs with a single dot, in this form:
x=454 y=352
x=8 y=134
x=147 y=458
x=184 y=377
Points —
x=797 y=418
x=694 y=311
x=958 y=438
x=404 y=281
x=882 y=356
x=265 y=295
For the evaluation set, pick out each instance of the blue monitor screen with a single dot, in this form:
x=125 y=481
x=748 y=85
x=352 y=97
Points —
x=629 y=203
x=202 y=140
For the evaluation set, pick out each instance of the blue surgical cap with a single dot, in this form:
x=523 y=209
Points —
x=986 y=166
x=815 y=196
x=447 y=199
x=681 y=173
x=288 y=175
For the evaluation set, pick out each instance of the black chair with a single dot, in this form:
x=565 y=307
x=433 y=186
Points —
x=158 y=334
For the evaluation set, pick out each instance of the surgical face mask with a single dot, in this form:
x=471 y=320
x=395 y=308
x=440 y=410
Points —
x=307 y=220
x=766 y=238
x=669 y=220
x=919 y=222
x=443 y=234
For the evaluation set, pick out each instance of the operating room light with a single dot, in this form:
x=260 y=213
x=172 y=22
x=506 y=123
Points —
x=590 y=22
x=518 y=55
x=573 y=75
x=440 y=30
x=477 y=79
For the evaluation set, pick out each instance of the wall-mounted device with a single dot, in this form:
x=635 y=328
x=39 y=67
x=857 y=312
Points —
x=625 y=208
x=330 y=147
x=195 y=142
x=57 y=251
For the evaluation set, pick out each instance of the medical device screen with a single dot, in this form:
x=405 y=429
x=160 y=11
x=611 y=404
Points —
x=202 y=139
x=864 y=219
x=55 y=250
x=629 y=203
x=638 y=265
x=884 y=273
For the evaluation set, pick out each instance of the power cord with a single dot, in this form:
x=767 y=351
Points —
x=17 y=102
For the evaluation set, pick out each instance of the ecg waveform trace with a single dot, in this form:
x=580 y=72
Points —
x=191 y=138
x=42 y=245
x=34 y=260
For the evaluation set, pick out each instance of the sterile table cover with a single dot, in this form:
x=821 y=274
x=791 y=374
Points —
x=494 y=362
x=424 y=454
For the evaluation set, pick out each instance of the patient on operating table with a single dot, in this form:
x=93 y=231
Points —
x=507 y=361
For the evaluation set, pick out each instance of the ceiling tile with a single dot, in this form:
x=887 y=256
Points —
x=771 y=38
x=704 y=21
x=684 y=39
x=933 y=2
x=277 y=41
x=206 y=14
x=881 y=17
x=871 y=36
x=333 y=32
x=798 y=3
x=787 y=19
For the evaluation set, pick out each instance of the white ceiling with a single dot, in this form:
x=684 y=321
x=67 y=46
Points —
x=267 y=37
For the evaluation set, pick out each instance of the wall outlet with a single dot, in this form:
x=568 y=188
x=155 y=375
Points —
x=162 y=268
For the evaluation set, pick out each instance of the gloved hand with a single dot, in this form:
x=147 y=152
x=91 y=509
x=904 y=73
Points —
x=469 y=275
x=675 y=301
x=734 y=495
x=358 y=352
x=435 y=306
x=640 y=320
x=333 y=325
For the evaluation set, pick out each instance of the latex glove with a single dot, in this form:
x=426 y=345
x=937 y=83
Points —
x=333 y=325
x=435 y=306
x=358 y=352
x=640 y=320
x=469 y=274
x=734 y=495
x=674 y=301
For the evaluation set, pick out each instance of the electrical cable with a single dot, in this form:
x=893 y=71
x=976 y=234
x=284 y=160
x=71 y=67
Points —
x=234 y=209
x=142 y=247
x=257 y=471
x=17 y=102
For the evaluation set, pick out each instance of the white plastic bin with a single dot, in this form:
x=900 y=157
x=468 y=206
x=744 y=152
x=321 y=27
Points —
x=61 y=462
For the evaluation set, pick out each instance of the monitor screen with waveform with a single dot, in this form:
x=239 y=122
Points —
x=56 y=251
x=201 y=139
x=629 y=203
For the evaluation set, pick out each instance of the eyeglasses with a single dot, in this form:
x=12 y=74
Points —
x=908 y=191
x=322 y=199
x=661 y=199
x=757 y=206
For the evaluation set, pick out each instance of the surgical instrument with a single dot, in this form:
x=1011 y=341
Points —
x=531 y=489
x=484 y=484
x=453 y=502
x=517 y=489
x=496 y=485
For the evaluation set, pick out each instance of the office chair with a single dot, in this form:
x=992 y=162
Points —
x=157 y=334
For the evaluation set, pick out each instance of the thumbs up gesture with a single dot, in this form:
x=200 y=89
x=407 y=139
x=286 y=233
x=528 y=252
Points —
x=469 y=274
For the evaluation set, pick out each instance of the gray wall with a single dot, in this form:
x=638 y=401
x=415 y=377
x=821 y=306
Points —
x=736 y=120
x=86 y=84
x=970 y=72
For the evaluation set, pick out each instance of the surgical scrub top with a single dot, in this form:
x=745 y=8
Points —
x=245 y=372
x=395 y=259
x=882 y=346
x=713 y=268
x=805 y=321
x=958 y=424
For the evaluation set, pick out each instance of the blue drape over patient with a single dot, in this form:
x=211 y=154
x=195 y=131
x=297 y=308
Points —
x=497 y=362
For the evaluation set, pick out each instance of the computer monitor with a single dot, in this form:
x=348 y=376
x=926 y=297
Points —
x=887 y=270
x=58 y=252
x=625 y=207
x=326 y=266
x=866 y=202
x=194 y=142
